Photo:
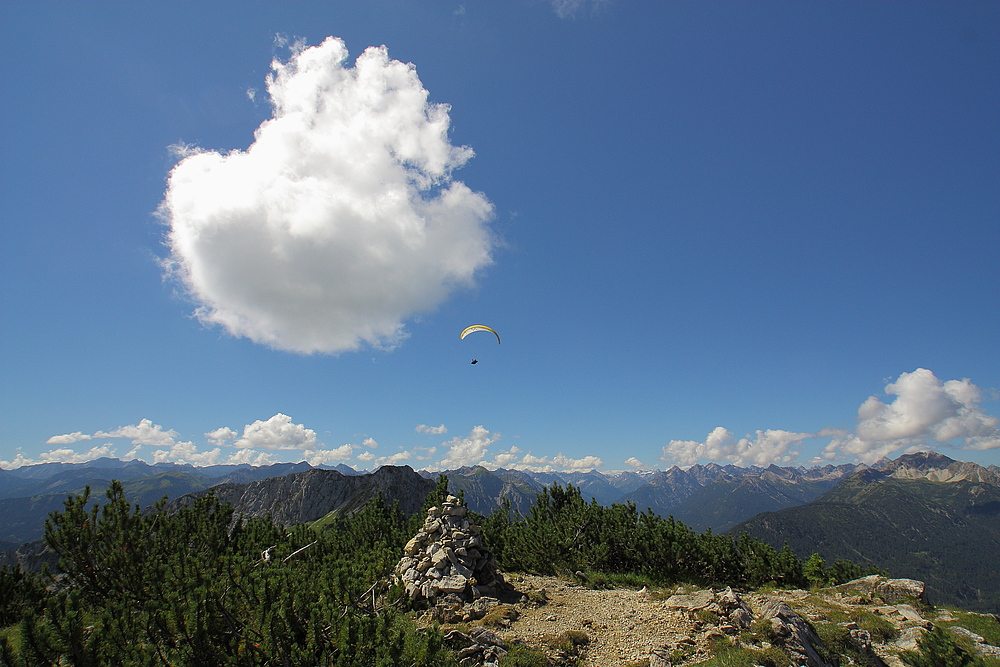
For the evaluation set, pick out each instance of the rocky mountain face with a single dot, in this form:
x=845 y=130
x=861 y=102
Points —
x=665 y=490
x=486 y=490
x=310 y=495
x=937 y=468
x=28 y=494
x=922 y=516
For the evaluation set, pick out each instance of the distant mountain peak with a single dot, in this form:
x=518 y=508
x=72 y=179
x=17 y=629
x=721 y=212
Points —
x=924 y=460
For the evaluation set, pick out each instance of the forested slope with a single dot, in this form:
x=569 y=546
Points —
x=946 y=534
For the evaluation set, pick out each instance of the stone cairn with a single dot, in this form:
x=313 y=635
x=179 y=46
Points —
x=447 y=558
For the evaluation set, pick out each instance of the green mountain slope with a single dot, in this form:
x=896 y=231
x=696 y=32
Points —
x=23 y=519
x=729 y=500
x=946 y=534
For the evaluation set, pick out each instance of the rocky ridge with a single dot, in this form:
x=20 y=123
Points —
x=868 y=621
x=312 y=494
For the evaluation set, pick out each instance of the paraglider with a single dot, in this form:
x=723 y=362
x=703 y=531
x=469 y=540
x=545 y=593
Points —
x=479 y=327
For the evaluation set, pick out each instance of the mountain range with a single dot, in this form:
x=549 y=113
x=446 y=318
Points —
x=922 y=516
x=701 y=496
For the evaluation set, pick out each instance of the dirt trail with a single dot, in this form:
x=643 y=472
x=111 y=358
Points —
x=623 y=626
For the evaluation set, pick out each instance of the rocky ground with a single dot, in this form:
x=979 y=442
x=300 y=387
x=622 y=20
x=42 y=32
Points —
x=873 y=617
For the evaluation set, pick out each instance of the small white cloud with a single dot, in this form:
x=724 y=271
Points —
x=370 y=443
x=66 y=455
x=558 y=462
x=765 y=448
x=398 y=457
x=503 y=459
x=391 y=460
x=143 y=433
x=424 y=453
x=251 y=457
x=469 y=450
x=340 y=454
x=570 y=8
x=633 y=462
x=278 y=432
x=340 y=221
x=18 y=461
x=432 y=430
x=221 y=436
x=67 y=439
x=187 y=452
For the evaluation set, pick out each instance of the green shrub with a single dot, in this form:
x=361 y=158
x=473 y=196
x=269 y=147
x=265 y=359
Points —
x=984 y=625
x=881 y=629
x=500 y=616
x=520 y=655
x=937 y=648
x=184 y=587
x=706 y=616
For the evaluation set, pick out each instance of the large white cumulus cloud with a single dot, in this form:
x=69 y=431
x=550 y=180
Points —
x=925 y=411
x=923 y=414
x=340 y=221
x=765 y=448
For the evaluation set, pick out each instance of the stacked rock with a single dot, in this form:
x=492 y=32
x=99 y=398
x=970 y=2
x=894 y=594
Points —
x=447 y=556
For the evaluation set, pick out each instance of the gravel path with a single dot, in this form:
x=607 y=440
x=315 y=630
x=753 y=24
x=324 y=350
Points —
x=623 y=626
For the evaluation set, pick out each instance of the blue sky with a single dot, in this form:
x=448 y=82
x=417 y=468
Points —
x=741 y=232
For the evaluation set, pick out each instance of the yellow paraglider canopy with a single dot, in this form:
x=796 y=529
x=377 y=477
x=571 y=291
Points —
x=479 y=327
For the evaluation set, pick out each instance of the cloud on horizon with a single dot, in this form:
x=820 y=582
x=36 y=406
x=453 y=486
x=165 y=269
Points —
x=765 y=448
x=924 y=413
x=278 y=432
x=340 y=221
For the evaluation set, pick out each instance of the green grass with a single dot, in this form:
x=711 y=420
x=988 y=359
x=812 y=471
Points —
x=880 y=628
x=324 y=521
x=733 y=656
x=986 y=627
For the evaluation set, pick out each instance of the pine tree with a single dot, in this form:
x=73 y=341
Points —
x=815 y=570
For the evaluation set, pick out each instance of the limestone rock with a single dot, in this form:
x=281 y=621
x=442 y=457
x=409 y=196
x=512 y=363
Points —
x=692 y=602
x=733 y=607
x=659 y=657
x=890 y=590
x=446 y=558
x=478 y=647
x=979 y=644
x=794 y=634
x=896 y=590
